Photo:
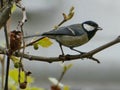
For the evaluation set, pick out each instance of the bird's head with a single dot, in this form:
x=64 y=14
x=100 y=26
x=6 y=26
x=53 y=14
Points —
x=90 y=26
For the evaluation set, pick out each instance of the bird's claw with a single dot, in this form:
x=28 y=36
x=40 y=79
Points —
x=64 y=57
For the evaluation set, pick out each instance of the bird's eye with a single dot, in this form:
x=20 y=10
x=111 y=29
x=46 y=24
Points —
x=88 y=27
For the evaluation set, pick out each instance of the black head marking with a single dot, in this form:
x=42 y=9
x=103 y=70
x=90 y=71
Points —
x=91 y=23
x=92 y=32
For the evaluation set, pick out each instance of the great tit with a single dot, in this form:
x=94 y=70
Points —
x=73 y=35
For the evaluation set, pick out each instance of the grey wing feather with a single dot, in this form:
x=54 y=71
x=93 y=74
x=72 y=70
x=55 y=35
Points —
x=72 y=30
x=78 y=29
x=59 y=31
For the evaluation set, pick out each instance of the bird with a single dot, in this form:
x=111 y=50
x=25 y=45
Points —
x=73 y=35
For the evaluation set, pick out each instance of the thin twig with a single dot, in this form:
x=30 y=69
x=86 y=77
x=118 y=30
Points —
x=2 y=60
x=33 y=42
x=5 y=14
x=8 y=59
x=7 y=45
x=21 y=23
x=66 y=17
x=1 y=3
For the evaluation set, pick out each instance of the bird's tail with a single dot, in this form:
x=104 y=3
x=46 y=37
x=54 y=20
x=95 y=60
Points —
x=31 y=36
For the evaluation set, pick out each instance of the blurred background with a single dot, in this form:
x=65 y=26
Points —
x=85 y=74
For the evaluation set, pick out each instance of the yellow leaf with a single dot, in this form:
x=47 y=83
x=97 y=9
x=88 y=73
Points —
x=15 y=59
x=66 y=87
x=1 y=57
x=72 y=9
x=65 y=16
x=36 y=88
x=13 y=8
x=70 y=15
x=14 y=75
x=13 y=87
x=67 y=67
x=45 y=42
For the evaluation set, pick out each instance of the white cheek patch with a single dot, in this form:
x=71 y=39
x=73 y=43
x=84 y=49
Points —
x=88 y=27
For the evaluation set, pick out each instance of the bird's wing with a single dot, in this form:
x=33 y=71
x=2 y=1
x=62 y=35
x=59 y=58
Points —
x=77 y=29
x=72 y=30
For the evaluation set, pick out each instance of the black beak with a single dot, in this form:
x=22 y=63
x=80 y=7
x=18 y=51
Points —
x=99 y=28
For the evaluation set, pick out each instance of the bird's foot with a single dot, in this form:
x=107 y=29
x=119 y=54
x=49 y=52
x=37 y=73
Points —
x=64 y=57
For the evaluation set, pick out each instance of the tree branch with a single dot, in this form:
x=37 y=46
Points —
x=66 y=57
x=5 y=14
